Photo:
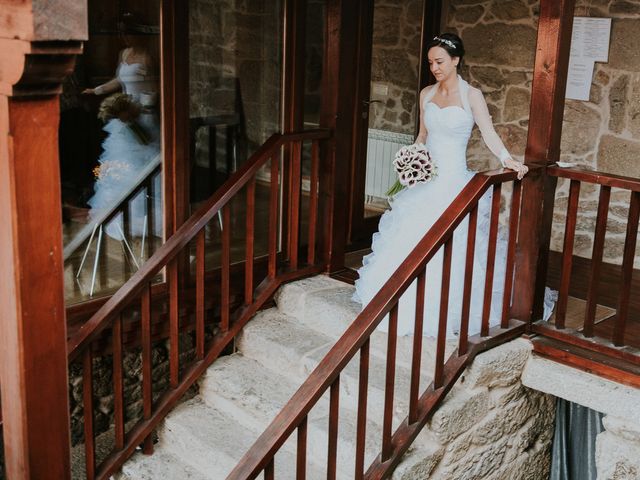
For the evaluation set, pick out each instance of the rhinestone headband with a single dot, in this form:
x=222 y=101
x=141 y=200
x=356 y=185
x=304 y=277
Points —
x=445 y=41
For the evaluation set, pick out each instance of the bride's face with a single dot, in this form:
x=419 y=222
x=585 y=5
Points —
x=442 y=64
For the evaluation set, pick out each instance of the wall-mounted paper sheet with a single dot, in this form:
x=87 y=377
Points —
x=589 y=44
x=590 y=38
x=579 y=79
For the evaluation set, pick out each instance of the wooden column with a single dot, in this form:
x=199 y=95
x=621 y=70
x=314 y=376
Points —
x=38 y=43
x=338 y=108
x=543 y=147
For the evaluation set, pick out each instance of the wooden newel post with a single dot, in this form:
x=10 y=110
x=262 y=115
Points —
x=35 y=54
x=543 y=148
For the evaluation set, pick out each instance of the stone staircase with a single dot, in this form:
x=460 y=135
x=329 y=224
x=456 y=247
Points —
x=240 y=394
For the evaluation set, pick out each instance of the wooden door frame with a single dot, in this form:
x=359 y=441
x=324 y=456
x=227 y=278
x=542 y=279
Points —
x=360 y=229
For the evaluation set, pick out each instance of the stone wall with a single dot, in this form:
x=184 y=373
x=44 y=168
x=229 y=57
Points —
x=490 y=426
x=235 y=48
x=602 y=134
x=394 y=64
x=618 y=446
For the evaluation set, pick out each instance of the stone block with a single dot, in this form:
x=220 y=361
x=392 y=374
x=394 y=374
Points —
x=468 y=14
x=418 y=463
x=513 y=137
x=621 y=427
x=625 y=55
x=619 y=156
x=617 y=458
x=589 y=390
x=618 y=102
x=459 y=412
x=505 y=44
x=633 y=109
x=510 y=10
x=517 y=104
x=580 y=129
x=500 y=366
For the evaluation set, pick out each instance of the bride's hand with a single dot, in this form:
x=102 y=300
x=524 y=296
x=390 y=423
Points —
x=519 y=167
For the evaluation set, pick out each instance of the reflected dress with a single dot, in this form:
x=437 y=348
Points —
x=413 y=212
x=124 y=157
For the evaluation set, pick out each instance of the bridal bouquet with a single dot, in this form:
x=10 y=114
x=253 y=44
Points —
x=414 y=165
x=125 y=108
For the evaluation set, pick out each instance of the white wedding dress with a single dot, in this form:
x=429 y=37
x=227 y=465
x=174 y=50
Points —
x=414 y=210
x=125 y=159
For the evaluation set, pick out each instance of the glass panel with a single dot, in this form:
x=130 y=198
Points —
x=394 y=88
x=315 y=29
x=110 y=150
x=235 y=70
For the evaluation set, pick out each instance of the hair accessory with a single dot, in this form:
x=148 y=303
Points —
x=445 y=41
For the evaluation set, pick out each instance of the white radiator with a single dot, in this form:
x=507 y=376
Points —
x=381 y=150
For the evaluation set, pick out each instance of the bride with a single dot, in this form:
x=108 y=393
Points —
x=448 y=111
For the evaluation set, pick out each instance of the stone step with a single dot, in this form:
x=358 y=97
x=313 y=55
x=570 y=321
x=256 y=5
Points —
x=159 y=465
x=283 y=345
x=212 y=443
x=326 y=305
x=253 y=395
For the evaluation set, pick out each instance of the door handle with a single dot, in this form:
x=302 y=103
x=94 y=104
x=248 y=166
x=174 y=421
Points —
x=369 y=102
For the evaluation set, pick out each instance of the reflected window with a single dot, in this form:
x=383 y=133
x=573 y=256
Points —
x=110 y=150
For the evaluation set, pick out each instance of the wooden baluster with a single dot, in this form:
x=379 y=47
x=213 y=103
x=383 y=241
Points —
x=200 y=258
x=147 y=367
x=294 y=199
x=313 y=201
x=174 y=325
x=491 y=258
x=438 y=377
x=126 y=233
x=468 y=281
x=269 y=471
x=361 y=428
x=417 y=348
x=118 y=390
x=596 y=260
x=87 y=400
x=514 y=220
x=334 y=413
x=226 y=268
x=627 y=269
x=273 y=217
x=567 y=253
x=392 y=336
x=151 y=224
x=250 y=237
x=301 y=452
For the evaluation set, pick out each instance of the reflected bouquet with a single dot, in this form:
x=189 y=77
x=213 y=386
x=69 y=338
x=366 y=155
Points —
x=127 y=110
x=413 y=165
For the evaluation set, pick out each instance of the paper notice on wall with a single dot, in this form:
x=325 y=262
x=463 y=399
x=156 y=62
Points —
x=590 y=38
x=589 y=44
x=579 y=78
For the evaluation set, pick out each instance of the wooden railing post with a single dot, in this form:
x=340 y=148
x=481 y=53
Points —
x=33 y=356
x=543 y=147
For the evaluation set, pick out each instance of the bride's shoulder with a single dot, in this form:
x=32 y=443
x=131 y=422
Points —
x=426 y=90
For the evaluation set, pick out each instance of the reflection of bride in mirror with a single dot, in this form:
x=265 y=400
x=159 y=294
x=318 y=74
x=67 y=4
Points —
x=131 y=122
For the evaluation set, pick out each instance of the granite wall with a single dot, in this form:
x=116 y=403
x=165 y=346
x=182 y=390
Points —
x=394 y=64
x=602 y=134
x=235 y=49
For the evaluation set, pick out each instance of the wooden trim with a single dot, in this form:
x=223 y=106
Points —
x=33 y=367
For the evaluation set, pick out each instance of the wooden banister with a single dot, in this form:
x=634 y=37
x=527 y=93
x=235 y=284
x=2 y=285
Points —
x=356 y=339
x=185 y=234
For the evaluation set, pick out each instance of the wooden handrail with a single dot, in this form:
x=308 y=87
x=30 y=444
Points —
x=593 y=176
x=359 y=331
x=185 y=234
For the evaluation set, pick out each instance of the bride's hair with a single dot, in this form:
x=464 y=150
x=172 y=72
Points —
x=451 y=42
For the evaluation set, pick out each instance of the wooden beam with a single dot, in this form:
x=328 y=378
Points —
x=543 y=147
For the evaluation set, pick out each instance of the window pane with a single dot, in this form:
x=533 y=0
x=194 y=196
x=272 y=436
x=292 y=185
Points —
x=110 y=150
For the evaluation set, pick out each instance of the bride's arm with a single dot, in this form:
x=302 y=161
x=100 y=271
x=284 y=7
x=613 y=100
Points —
x=491 y=139
x=422 y=134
